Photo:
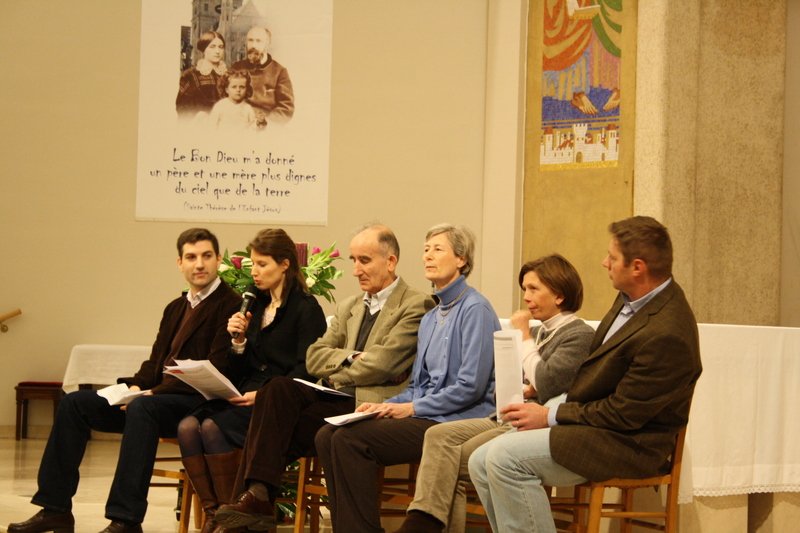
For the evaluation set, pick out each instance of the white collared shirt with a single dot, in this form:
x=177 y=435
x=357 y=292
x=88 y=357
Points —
x=631 y=307
x=375 y=302
x=194 y=300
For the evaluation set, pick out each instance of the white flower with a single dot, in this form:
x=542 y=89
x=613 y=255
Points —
x=310 y=282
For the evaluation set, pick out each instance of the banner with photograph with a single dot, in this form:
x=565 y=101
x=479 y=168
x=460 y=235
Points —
x=234 y=111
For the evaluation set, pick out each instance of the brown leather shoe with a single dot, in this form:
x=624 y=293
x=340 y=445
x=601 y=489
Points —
x=420 y=522
x=209 y=524
x=118 y=526
x=247 y=511
x=43 y=521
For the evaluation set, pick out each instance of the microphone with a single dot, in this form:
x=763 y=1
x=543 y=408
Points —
x=248 y=297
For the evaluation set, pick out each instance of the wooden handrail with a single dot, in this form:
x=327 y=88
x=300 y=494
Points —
x=6 y=316
x=10 y=314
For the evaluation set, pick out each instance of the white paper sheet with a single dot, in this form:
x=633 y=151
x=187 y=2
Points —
x=508 y=367
x=349 y=418
x=119 y=394
x=203 y=376
x=322 y=388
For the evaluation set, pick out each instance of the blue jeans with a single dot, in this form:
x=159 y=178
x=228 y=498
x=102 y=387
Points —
x=146 y=419
x=508 y=473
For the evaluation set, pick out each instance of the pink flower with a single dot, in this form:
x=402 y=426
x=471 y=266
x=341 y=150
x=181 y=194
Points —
x=316 y=250
x=237 y=261
x=335 y=253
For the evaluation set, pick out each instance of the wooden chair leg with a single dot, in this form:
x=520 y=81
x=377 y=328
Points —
x=595 y=508
x=671 y=520
x=186 y=505
x=300 y=502
x=627 y=501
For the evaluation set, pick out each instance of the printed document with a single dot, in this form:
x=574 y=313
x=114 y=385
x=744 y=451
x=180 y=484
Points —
x=508 y=368
x=119 y=394
x=349 y=418
x=203 y=376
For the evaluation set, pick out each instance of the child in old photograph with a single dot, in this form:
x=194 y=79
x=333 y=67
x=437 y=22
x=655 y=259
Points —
x=234 y=112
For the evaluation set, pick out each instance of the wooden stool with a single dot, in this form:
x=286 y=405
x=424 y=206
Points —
x=35 y=390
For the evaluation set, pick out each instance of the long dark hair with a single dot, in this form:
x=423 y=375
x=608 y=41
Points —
x=277 y=244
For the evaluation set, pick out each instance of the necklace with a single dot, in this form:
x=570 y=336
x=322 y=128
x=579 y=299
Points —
x=444 y=309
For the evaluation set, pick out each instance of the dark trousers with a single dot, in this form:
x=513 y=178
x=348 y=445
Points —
x=286 y=417
x=351 y=456
x=146 y=419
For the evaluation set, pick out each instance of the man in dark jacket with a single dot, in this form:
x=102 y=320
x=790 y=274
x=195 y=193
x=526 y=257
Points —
x=273 y=96
x=193 y=326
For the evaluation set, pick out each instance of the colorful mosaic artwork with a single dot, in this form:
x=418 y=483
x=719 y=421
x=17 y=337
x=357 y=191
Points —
x=581 y=84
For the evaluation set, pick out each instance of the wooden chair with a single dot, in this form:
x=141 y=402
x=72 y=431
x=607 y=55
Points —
x=598 y=509
x=187 y=497
x=395 y=493
x=476 y=514
x=310 y=494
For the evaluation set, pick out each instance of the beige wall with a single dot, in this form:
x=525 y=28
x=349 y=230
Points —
x=409 y=100
x=790 y=237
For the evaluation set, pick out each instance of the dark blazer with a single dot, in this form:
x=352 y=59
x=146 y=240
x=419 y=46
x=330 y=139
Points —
x=632 y=394
x=280 y=348
x=205 y=337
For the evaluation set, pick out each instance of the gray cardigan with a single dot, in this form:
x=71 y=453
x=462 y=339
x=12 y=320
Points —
x=561 y=358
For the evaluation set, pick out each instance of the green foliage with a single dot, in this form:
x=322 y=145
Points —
x=236 y=271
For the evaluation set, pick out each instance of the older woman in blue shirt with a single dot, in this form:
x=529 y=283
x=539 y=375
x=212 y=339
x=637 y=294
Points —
x=452 y=379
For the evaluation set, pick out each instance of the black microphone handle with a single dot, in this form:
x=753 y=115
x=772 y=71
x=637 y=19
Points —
x=247 y=302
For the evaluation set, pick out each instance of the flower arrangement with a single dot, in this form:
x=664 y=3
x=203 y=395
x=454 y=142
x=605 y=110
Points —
x=235 y=270
x=319 y=271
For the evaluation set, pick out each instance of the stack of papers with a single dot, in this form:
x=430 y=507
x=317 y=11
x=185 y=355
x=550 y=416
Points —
x=508 y=368
x=204 y=377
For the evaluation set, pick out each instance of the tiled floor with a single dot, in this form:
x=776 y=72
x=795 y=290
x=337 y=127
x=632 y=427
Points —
x=19 y=464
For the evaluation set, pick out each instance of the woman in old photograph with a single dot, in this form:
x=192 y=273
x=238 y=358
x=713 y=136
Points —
x=198 y=90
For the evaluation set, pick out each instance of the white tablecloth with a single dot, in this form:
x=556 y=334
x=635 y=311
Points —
x=102 y=364
x=744 y=427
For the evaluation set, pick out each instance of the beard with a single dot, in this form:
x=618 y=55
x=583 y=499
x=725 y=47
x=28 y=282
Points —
x=254 y=56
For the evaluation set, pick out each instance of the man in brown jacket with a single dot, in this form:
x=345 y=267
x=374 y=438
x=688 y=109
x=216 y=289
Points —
x=629 y=400
x=193 y=327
